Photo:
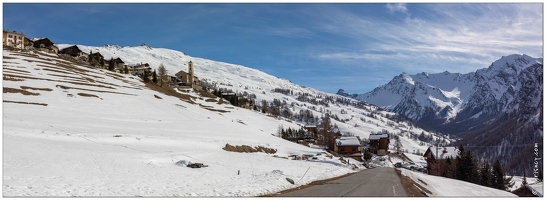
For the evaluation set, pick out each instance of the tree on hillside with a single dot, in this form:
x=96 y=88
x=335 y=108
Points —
x=126 y=70
x=467 y=168
x=111 y=65
x=154 y=77
x=499 y=180
x=486 y=175
x=90 y=58
x=449 y=169
x=162 y=73
x=146 y=76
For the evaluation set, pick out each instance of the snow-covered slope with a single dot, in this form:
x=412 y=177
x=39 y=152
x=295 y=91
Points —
x=71 y=130
x=446 y=187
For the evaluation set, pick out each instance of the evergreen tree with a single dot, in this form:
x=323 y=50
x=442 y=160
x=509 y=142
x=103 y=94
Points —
x=498 y=175
x=367 y=155
x=111 y=65
x=449 y=169
x=126 y=70
x=486 y=175
x=154 y=77
x=90 y=58
x=146 y=76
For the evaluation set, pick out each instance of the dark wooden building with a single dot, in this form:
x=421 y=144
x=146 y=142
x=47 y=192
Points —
x=45 y=44
x=436 y=158
x=73 y=51
x=379 y=144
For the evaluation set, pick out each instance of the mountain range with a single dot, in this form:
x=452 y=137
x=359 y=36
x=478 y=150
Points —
x=496 y=111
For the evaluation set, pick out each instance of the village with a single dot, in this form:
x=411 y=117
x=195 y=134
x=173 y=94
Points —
x=360 y=149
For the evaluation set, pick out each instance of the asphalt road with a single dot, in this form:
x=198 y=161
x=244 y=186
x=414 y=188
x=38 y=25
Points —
x=376 y=182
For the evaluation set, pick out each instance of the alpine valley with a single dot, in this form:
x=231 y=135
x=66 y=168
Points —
x=495 y=111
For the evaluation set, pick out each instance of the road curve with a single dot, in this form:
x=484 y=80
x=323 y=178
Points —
x=377 y=182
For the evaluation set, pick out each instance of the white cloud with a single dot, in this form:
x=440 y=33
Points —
x=397 y=7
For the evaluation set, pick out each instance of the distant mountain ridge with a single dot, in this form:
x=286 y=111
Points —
x=445 y=101
x=496 y=111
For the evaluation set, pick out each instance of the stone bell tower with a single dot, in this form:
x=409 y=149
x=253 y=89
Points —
x=190 y=73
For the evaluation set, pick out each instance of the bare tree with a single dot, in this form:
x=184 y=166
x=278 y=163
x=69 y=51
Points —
x=162 y=72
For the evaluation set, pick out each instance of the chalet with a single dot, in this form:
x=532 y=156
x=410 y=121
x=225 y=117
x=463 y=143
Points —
x=436 y=158
x=530 y=190
x=349 y=146
x=119 y=63
x=28 y=43
x=13 y=39
x=139 y=69
x=45 y=44
x=379 y=144
x=96 y=59
x=311 y=128
x=73 y=51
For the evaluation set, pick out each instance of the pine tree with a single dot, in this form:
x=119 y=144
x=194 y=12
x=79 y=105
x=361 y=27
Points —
x=126 y=70
x=90 y=58
x=154 y=77
x=449 y=169
x=498 y=175
x=146 y=76
x=111 y=65
x=485 y=175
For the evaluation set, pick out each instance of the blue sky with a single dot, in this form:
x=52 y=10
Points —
x=354 y=46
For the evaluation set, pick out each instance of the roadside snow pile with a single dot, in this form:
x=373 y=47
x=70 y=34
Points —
x=446 y=187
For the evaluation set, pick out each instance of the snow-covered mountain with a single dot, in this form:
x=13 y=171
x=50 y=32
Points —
x=446 y=100
x=496 y=110
x=73 y=130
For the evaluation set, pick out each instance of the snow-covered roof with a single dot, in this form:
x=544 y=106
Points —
x=536 y=188
x=377 y=137
x=444 y=152
x=348 y=141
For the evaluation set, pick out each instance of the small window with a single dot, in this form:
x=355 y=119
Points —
x=10 y=36
x=19 y=37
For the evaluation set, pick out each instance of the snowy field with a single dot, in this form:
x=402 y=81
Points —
x=106 y=135
x=446 y=187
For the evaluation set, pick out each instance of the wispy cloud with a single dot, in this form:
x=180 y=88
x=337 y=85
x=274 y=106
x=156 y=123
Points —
x=397 y=7
x=475 y=34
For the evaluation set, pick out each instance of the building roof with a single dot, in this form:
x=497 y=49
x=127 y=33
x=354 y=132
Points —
x=444 y=152
x=348 y=141
x=378 y=136
x=536 y=188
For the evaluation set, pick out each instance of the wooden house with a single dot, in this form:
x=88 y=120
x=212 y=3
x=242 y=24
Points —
x=530 y=190
x=28 y=43
x=73 y=51
x=379 y=144
x=139 y=69
x=436 y=158
x=96 y=59
x=45 y=44
x=348 y=146
x=13 y=39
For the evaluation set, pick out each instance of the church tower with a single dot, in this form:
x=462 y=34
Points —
x=190 y=72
